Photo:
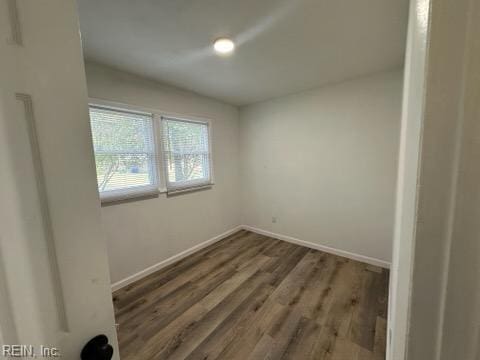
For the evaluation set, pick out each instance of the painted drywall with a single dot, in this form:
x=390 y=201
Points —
x=323 y=164
x=283 y=46
x=460 y=336
x=144 y=232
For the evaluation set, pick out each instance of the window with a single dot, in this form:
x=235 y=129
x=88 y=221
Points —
x=186 y=153
x=127 y=147
x=125 y=154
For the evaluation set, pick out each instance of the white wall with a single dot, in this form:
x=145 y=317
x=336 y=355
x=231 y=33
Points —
x=324 y=164
x=144 y=232
x=460 y=337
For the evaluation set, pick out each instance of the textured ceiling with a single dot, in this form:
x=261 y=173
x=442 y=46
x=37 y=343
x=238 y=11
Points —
x=283 y=46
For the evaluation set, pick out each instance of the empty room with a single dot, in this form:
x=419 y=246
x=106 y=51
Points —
x=274 y=150
x=220 y=179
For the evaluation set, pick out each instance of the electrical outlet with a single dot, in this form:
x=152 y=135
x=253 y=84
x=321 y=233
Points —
x=274 y=219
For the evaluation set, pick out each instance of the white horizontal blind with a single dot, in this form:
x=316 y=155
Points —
x=124 y=150
x=186 y=153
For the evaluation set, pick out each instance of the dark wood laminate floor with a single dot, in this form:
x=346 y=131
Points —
x=254 y=297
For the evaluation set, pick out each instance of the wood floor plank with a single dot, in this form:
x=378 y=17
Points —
x=263 y=348
x=222 y=264
x=169 y=336
x=313 y=301
x=365 y=315
x=283 y=334
x=184 y=268
x=254 y=297
x=346 y=350
x=213 y=318
x=282 y=266
x=379 y=348
x=168 y=309
x=342 y=301
x=245 y=343
x=302 y=343
x=292 y=285
x=233 y=326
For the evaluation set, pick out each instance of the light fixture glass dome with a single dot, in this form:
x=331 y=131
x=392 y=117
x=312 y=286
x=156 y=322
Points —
x=224 y=46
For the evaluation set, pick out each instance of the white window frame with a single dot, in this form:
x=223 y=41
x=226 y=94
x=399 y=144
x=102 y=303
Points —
x=160 y=170
x=193 y=185
x=137 y=191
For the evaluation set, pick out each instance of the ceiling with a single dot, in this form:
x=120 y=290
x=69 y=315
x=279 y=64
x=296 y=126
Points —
x=283 y=46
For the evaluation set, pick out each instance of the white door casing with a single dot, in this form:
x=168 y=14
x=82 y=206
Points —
x=434 y=297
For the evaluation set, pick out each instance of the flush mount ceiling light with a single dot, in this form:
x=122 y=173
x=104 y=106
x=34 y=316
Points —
x=224 y=46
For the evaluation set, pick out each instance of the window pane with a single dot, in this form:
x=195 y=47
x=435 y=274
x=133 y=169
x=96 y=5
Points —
x=124 y=149
x=121 y=171
x=186 y=151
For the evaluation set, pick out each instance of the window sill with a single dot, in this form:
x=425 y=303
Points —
x=136 y=194
x=114 y=197
x=179 y=191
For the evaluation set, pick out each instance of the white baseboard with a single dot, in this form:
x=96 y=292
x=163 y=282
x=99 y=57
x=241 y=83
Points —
x=327 y=249
x=141 y=274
